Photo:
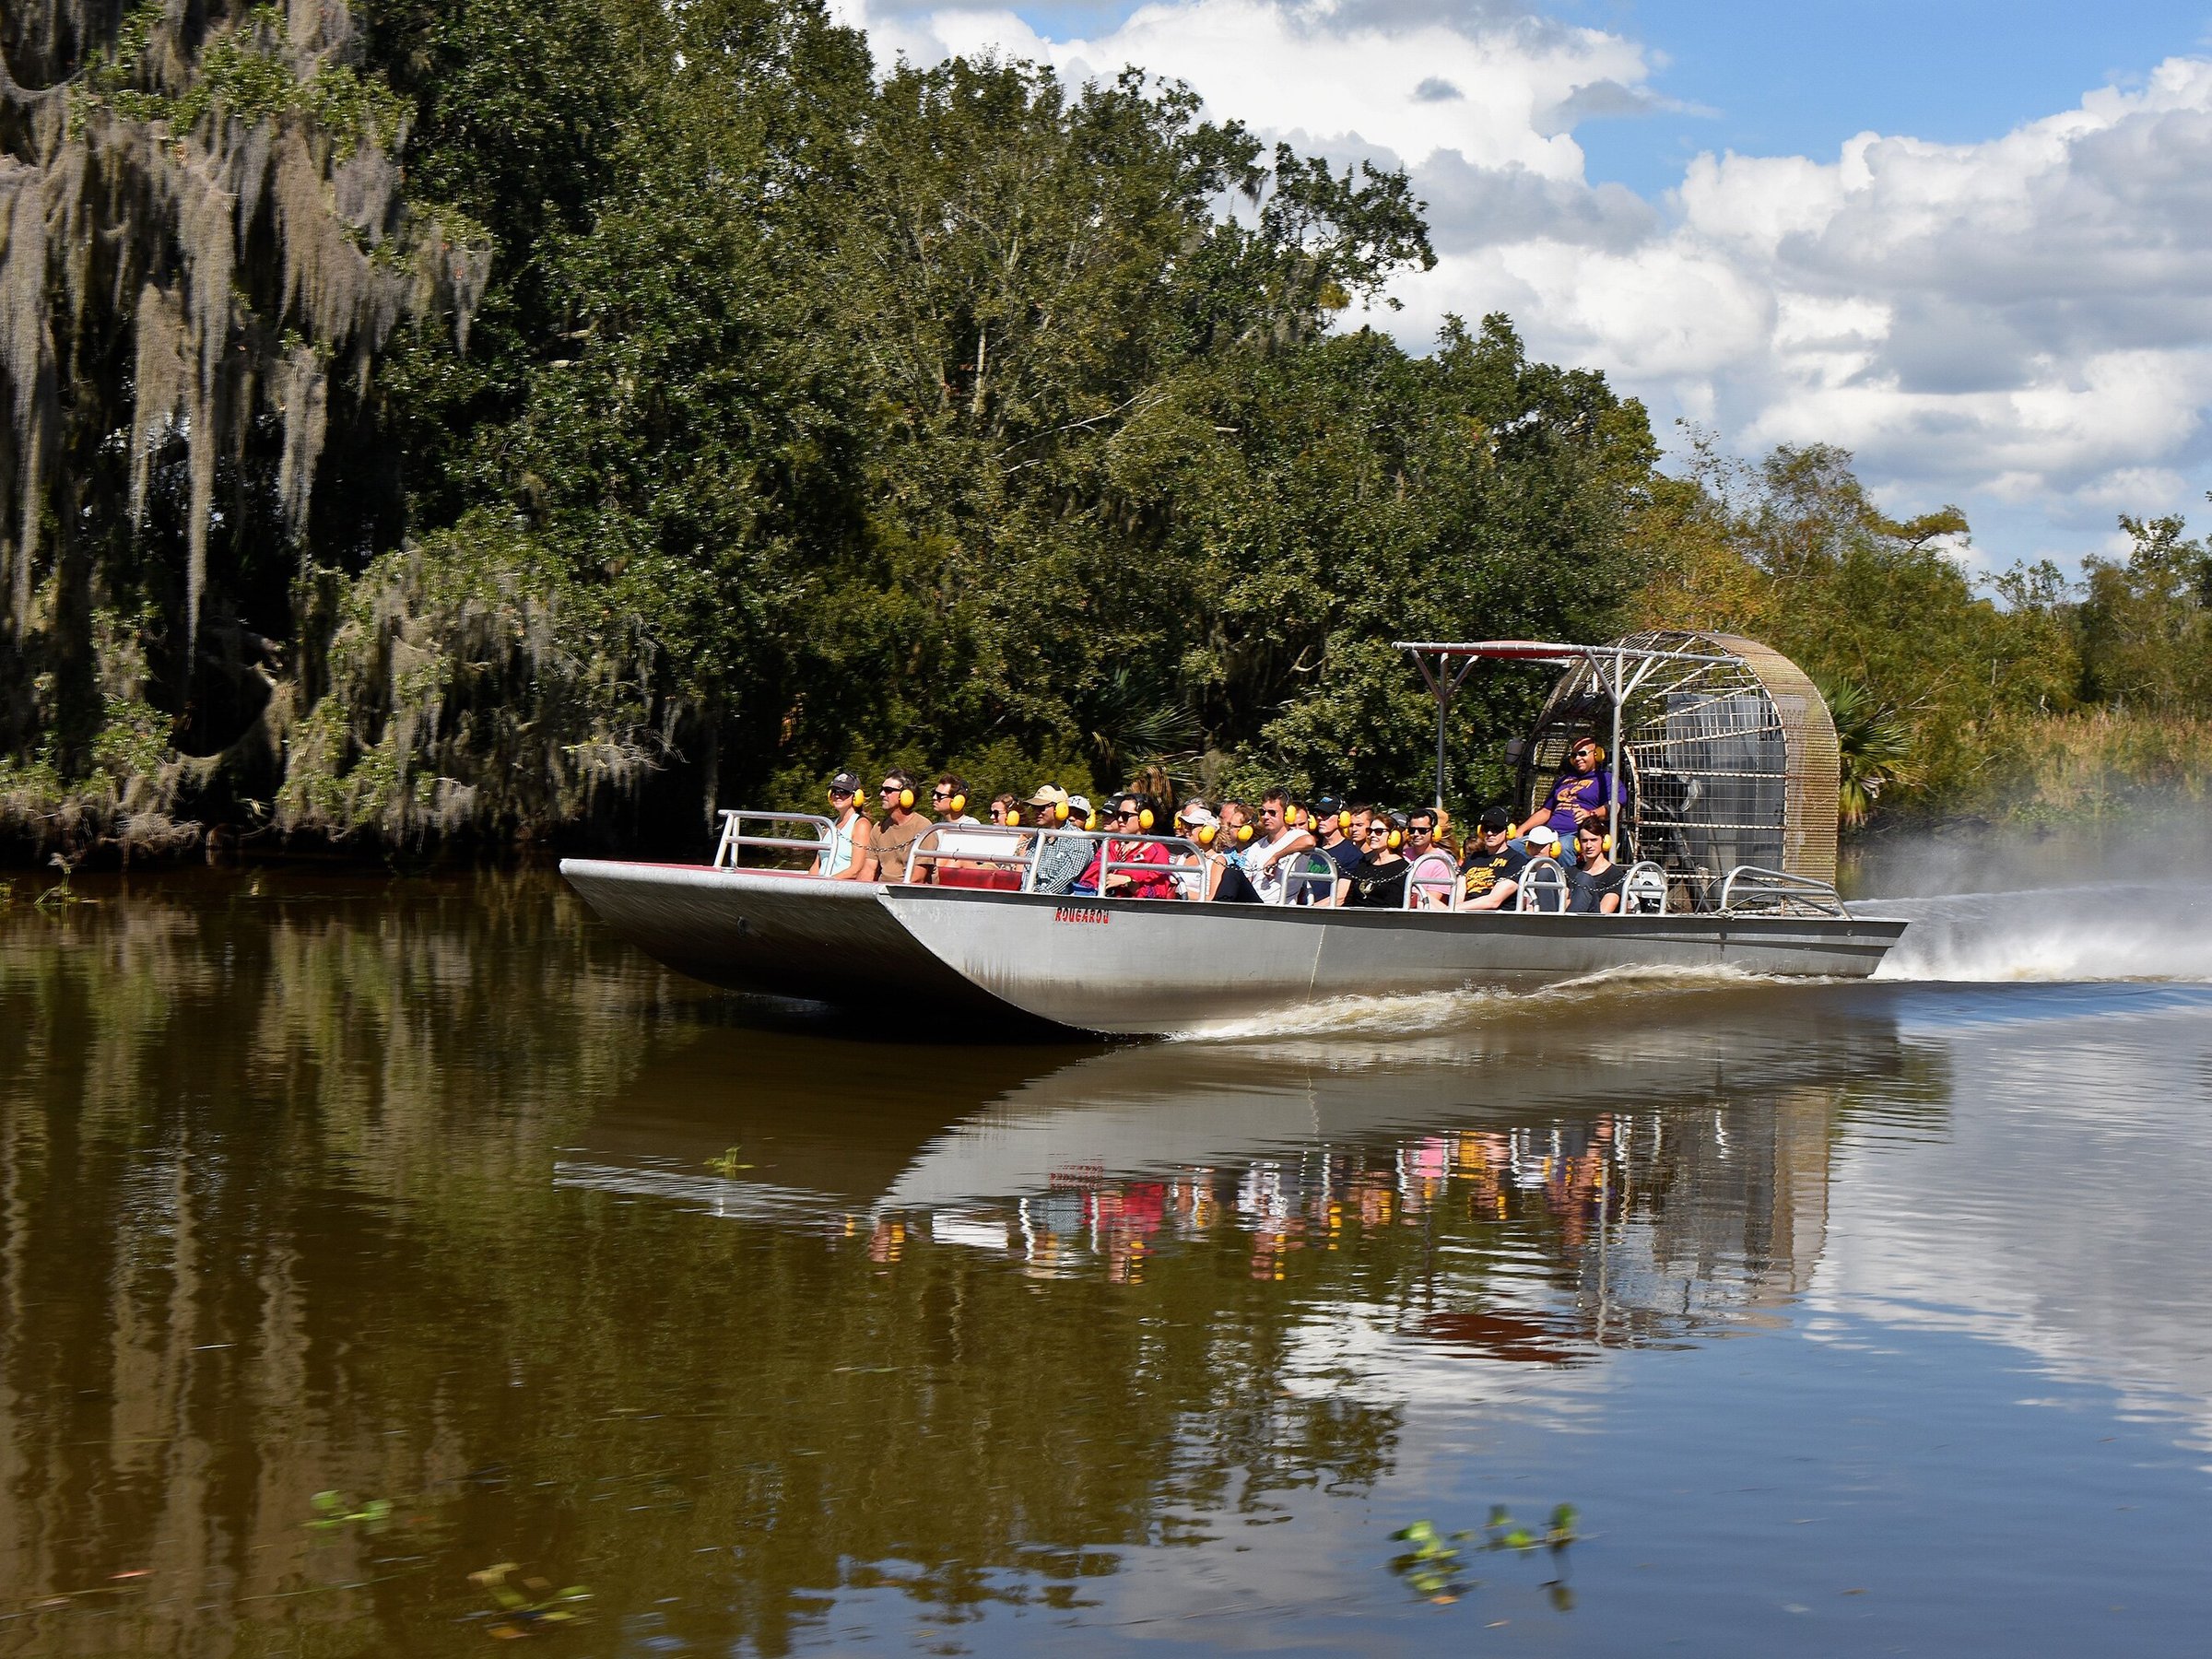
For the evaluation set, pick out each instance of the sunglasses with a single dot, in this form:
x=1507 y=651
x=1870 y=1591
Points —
x=1378 y=829
x=1420 y=828
x=940 y=795
x=841 y=794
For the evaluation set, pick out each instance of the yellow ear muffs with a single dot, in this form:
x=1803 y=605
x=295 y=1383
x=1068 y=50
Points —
x=1243 y=833
x=1144 y=818
x=1091 y=822
x=1396 y=839
x=1206 y=835
x=1344 y=822
x=960 y=803
x=1059 y=812
x=906 y=799
x=1291 y=816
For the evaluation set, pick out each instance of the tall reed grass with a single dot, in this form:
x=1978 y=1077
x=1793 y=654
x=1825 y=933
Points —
x=2095 y=764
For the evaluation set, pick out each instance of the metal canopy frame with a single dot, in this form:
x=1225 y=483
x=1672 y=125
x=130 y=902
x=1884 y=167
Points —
x=1620 y=670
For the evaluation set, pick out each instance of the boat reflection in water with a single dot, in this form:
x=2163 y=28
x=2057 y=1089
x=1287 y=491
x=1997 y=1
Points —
x=1568 y=1173
x=778 y=1335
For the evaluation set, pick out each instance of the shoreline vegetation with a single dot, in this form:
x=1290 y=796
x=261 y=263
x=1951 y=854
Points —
x=451 y=430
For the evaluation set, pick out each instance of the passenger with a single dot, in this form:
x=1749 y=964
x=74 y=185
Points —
x=1006 y=810
x=1593 y=885
x=1232 y=872
x=1543 y=842
x=1333 y=819
x=1081 y=814
x=1194 y=878
x=1420 y=842
x=902 y=827
x=948 y=800
x=1582 y=791
x=1356 y=833
x=1420 y=831
x=951 y=850
x=852 y=853
x=1280 y=841
x=1378 y=880
x=1491 y=876
x=1129 y=816
x=1066 y=851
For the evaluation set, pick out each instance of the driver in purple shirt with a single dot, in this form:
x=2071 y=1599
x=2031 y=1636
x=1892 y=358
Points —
x=1581 y=795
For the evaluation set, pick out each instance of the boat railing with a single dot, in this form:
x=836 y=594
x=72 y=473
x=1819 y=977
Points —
x=1110 y=866
x=1017 y=860
x=1432 y=883
x=1022 y=861
x=1750 y=888
x=1643 y=889
x=1305 y=871
x=1543 y=886
x=729 y=851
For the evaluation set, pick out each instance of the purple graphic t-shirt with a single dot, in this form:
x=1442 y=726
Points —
x=1572 y=790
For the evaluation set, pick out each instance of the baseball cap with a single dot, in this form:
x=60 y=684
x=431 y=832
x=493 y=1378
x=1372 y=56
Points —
x=1079 y=804
x=1495 y=819
x=1049 y=794
x=845 y=782
x=1199 y=813
x=1543 y=835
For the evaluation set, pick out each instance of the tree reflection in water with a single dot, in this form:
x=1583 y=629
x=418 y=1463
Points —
x=411 y=1192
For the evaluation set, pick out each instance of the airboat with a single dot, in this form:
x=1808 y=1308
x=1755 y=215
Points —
x=1722 y=791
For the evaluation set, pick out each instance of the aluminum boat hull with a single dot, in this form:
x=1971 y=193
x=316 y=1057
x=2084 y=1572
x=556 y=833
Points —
x=1140 y=967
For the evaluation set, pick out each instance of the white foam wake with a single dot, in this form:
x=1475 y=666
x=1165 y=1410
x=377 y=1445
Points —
x=2110 y=931
x=1420 y=1014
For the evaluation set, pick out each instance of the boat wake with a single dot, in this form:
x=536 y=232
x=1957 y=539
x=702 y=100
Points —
x=2142 y=930
x=1424 y=1014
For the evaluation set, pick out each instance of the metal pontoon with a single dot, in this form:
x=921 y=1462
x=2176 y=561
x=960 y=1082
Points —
x=1718 y=748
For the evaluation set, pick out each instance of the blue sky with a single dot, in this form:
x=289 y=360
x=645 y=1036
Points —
x=1782 y=77
x=2002 y=298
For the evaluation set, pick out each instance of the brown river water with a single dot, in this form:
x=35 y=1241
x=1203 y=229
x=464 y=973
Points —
x=408 y=1267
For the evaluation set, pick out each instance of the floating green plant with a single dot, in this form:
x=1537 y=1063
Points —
x=1434 y=1566
x=1434 y=1563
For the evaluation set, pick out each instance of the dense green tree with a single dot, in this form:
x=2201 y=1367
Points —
x=1796 y=552
x=2145 y=626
